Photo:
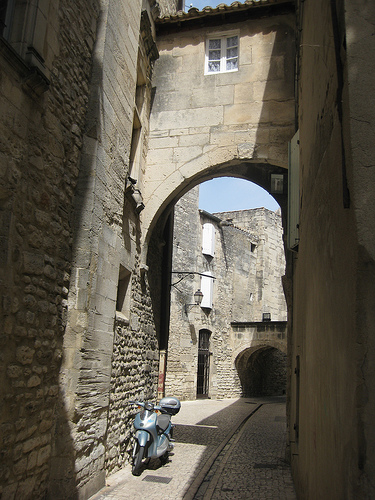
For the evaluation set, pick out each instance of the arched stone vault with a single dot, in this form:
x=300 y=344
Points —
x=247 y=351
x=262 y=370
x=165 y=196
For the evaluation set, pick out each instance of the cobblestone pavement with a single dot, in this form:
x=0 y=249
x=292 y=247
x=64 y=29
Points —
x=225 y=449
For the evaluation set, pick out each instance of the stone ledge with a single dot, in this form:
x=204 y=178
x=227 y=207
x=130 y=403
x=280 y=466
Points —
x=32 y=77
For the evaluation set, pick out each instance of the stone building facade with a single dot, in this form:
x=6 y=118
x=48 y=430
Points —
x=75 y=101
x=243 y=311
x=45 y=77
x=98 y=142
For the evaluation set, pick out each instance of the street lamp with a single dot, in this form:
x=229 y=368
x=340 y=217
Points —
x=198 y=296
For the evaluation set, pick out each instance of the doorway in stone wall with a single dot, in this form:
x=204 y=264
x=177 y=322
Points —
x=203 y=371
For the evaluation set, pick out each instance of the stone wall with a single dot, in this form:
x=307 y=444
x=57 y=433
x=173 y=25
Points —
x=262 y=293
x=333 y=305
x=181 y=364
x=168 y=7
x=106 y=259
x=247 y=266
x=134 y=376
x=41 y=139
x=70 y=229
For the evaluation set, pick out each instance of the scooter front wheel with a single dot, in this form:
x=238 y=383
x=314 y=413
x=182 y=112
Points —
x=164 y=459
x=138 y=454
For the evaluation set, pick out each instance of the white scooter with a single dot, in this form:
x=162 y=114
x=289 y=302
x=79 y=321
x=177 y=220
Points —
x=154 y=431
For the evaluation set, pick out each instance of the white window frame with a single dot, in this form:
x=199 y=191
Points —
x=223 y=52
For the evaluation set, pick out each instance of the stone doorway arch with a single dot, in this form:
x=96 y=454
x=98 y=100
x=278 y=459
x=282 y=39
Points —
x=262 y=371
x=155 y=215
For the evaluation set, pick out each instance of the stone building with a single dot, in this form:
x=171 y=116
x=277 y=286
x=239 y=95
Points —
x=214 y=349
x=75 y=102
x=98 y=142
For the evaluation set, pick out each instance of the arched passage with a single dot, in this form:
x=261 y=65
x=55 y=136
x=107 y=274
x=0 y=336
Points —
x=246 y=260
x=160 y=238
x=167 y=194
x=207 y=126
x=262 y=371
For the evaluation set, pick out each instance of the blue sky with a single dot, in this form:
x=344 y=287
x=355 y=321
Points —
x=226 y=194
x=199 y=4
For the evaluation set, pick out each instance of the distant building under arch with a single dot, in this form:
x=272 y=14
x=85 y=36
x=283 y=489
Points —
x=237 y=260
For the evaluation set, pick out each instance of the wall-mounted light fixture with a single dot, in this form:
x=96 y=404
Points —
x=198 y=296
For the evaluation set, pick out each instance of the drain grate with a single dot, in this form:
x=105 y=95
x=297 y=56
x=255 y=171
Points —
x=157 y=479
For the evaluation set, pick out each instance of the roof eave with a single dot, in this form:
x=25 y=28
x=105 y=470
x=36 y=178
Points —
x=235 y=12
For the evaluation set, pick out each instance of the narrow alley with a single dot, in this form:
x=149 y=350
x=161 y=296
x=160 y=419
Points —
x=225 y=449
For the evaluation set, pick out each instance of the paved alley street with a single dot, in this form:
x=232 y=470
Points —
x=225 y=449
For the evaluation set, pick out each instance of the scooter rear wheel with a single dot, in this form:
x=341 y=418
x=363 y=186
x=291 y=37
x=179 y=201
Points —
x=138 y=455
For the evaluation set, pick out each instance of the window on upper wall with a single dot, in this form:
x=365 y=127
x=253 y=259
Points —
x=23 y=25
x=207 y=287
x=222 y=53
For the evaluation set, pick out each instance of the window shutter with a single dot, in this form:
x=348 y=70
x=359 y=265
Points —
x=207 y=288
x=293 y=193
x=208 y=239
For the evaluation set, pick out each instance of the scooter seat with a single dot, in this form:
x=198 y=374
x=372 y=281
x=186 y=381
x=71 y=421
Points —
x=162 y=422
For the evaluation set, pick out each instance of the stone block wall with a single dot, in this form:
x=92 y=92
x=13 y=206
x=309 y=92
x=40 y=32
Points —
x=181 y=362
x=40 y=143
x=263 y=289
x=333 y=441
x=69 y=224
x=107 y=235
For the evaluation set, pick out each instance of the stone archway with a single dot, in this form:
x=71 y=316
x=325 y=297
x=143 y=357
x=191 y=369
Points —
x=202 y=127
x=262 y=371
x=162 y=201
x=205 y=126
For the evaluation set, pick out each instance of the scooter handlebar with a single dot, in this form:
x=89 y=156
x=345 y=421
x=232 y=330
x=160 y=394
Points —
x=143 y=404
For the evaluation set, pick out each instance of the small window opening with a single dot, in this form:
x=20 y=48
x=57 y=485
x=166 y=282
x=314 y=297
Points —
x=222 y=54
x=123 y=293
